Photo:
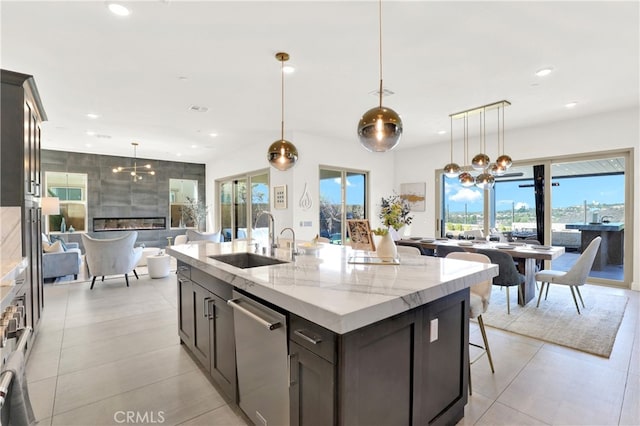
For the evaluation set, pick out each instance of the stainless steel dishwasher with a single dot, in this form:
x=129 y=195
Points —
x=261 y=356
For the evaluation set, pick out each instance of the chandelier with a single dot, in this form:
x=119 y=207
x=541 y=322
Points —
x=481 y=162
x=135 y=171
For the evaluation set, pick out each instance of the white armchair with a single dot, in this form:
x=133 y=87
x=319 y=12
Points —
x=111 y=256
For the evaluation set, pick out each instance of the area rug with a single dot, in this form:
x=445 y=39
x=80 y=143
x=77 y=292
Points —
x=557 y=321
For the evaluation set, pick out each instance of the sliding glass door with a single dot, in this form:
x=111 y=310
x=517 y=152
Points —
x=342 y=197
x=588 y=200
x=240 y=200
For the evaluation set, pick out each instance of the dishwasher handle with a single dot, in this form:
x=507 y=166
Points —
x=269 y=325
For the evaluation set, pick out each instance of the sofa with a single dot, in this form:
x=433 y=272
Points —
x=61 y=263
x=192 y=235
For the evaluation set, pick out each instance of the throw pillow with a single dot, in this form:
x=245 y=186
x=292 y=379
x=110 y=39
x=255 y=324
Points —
x=55 y=238
x=53 y=248
x=45 y=239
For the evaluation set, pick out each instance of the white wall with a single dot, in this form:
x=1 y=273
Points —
x=313 y=151
x=604 y=132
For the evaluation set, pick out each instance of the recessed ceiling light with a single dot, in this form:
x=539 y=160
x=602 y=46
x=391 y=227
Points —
x=194 y=146
x=92 y=115
x=88 y=145
x=288 y=69
x=183 y=78
x=91 y=133
x=442 y=132
x=118 y=9
x=198 y=108
x=544 y=71
x=571 y=104
x=213 y=135
x=178 y=154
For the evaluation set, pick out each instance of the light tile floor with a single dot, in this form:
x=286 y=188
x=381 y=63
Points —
x=113 y=352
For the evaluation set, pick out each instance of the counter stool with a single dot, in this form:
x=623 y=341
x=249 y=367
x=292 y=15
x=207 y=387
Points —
x=158 y=265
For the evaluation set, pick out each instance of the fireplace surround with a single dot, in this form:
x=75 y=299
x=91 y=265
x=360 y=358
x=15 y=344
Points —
x=106 y=224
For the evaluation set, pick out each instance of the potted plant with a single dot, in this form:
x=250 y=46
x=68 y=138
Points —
x=395 y=213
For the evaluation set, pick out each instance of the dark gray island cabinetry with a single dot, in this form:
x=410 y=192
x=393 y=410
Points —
x=366 y=344
x=205 y=325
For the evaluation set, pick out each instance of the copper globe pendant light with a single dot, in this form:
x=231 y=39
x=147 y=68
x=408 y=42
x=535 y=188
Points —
x=452 y=169
x=484 y=180
x=504 y=162
x=380 y=128
x=282 y=154
x=465 y=178
x=481 y=161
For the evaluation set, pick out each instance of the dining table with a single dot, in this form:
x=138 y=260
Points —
x=520 y=251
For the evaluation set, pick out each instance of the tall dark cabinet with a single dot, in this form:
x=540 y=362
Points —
x=20 y=177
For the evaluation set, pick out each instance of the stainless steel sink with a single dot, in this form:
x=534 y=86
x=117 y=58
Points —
x=246 y=260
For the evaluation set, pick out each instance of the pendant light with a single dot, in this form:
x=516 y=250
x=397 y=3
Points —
x=465 y=178
x=504 y=162
x=380 y=128
x=481 y=161
x=452 y=169
x=484 y=180
x=282 y=154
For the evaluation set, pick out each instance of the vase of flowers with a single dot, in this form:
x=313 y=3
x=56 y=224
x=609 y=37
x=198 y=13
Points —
x=385 y=246
x=395 y=213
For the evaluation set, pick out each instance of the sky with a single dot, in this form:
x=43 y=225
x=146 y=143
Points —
x=569 y=192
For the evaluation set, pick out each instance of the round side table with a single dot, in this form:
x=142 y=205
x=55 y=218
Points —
x=158 y=265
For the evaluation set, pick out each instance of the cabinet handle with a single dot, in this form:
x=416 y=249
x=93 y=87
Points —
x=309 y=339
x=212 y=310
x=292 y=378
x=205 y=307
x=234 y=304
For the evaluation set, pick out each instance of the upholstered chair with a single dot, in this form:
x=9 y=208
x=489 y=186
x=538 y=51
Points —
x=478 y=304
x=574 y=277
x=408 y=251
x=443 y=250
x=508 y=275
x=112 y=256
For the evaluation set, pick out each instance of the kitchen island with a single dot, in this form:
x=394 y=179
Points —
x=367 y=343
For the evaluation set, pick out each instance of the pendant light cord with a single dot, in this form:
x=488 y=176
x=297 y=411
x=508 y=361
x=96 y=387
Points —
x=282 y=99
x=380 y=45
x=451 y=133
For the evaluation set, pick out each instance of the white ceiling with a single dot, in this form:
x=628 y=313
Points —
x=439 y=58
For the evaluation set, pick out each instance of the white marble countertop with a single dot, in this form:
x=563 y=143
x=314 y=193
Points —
x=333 y=293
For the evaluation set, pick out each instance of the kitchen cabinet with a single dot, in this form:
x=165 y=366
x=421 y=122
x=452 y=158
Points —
x=21 y=115
x=205 y=325
x=396 y=371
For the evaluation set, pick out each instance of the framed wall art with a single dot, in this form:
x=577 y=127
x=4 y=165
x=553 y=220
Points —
x=360 y=234
x=415 y=195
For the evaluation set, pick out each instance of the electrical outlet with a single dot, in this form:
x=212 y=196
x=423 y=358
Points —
x=434 y=330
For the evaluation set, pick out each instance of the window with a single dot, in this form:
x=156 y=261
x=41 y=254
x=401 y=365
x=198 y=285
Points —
x=343 y=196
x=581 y=197
x=240 y=200
x=462 y=209
x=182 y=194
x=71 y=189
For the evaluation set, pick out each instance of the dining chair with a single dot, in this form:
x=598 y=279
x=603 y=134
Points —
x=408 y=251
x=508 y=275
x=478 y=304
x=574 y=277
x=443 y=250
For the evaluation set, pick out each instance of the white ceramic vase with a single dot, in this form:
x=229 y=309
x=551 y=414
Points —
x=386 y=247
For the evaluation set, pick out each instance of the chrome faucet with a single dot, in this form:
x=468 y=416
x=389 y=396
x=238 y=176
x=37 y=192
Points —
x=294 y=251
x=272 y=230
